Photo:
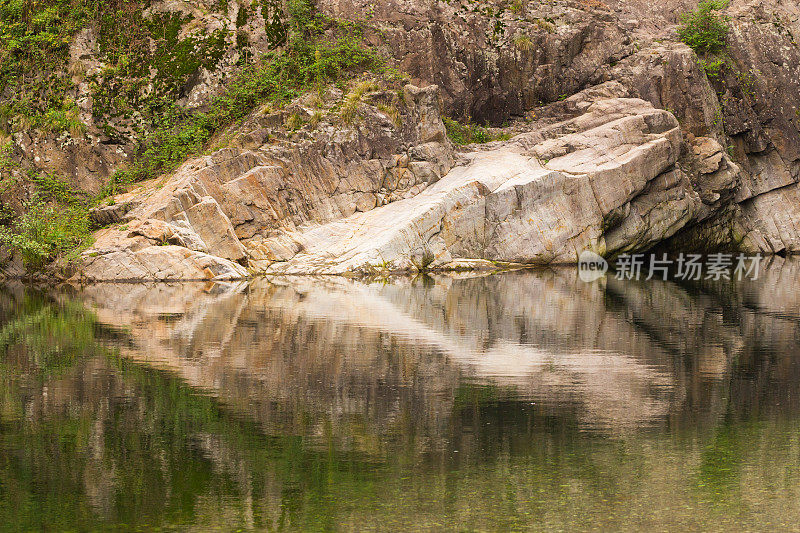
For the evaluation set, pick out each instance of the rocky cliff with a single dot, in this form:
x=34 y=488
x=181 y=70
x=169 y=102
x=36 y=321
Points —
x=616 y=137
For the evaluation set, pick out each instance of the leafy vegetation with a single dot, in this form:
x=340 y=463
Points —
x=317 y=51
x=54 y=221
x=713 y=67
x=704 y=30
x=145 y=63
x=470 y=133
x=34 y=44
x=47 y=230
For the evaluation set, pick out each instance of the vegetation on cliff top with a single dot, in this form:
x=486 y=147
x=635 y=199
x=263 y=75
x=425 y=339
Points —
x=317 y=51
x=146 y=61
x=704 y=30
x=140 y=61
x=34 y=46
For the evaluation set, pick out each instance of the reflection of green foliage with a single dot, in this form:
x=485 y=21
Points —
x=479 y=394
x=722 y=459
x=135 y=437
x=100 y=442
x=51 y=335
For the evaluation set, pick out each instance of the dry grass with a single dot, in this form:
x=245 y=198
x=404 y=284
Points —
x=546 y=25
x=318 y=100
x=24 y=123
x=77 y=70
x=294 y=122
x=76 y=127
x=392 y=112
x=315 y=119
x=353 y=99
x=523 y=42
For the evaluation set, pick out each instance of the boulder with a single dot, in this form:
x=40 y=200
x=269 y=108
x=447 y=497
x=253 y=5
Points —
x=158 y=263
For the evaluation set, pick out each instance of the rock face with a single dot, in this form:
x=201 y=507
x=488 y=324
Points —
x=648 y=151
x=751 y=107
x=610 y=176
x=265 y=185
x=493 y=59
x=607 y=180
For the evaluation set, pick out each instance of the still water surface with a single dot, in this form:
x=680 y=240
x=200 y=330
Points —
x=520 y=401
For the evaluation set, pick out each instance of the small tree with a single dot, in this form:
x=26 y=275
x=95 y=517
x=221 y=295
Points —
x=704 y=30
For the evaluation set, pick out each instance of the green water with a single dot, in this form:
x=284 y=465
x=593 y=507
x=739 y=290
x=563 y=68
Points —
x=521 y=401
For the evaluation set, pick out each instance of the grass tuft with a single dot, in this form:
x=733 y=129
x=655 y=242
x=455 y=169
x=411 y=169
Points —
x=523 y=42
x=393 y=113
x=354 y=98
x=294 y=122
x=470 y=133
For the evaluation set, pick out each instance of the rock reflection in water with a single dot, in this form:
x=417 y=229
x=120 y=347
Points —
x=527 y=399
x=616 y=355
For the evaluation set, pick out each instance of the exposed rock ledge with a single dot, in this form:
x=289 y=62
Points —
x=612 y=175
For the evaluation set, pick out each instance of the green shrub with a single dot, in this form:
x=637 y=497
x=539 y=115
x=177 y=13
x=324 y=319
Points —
x=712 y=67
x=54 y=223
x=47 y=230
x=469 y=133
x=704 y=30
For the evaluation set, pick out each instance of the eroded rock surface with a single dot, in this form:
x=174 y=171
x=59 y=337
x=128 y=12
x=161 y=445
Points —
x=614 y=175
x=608 y=180
x=648 y=151
x=266 y=184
